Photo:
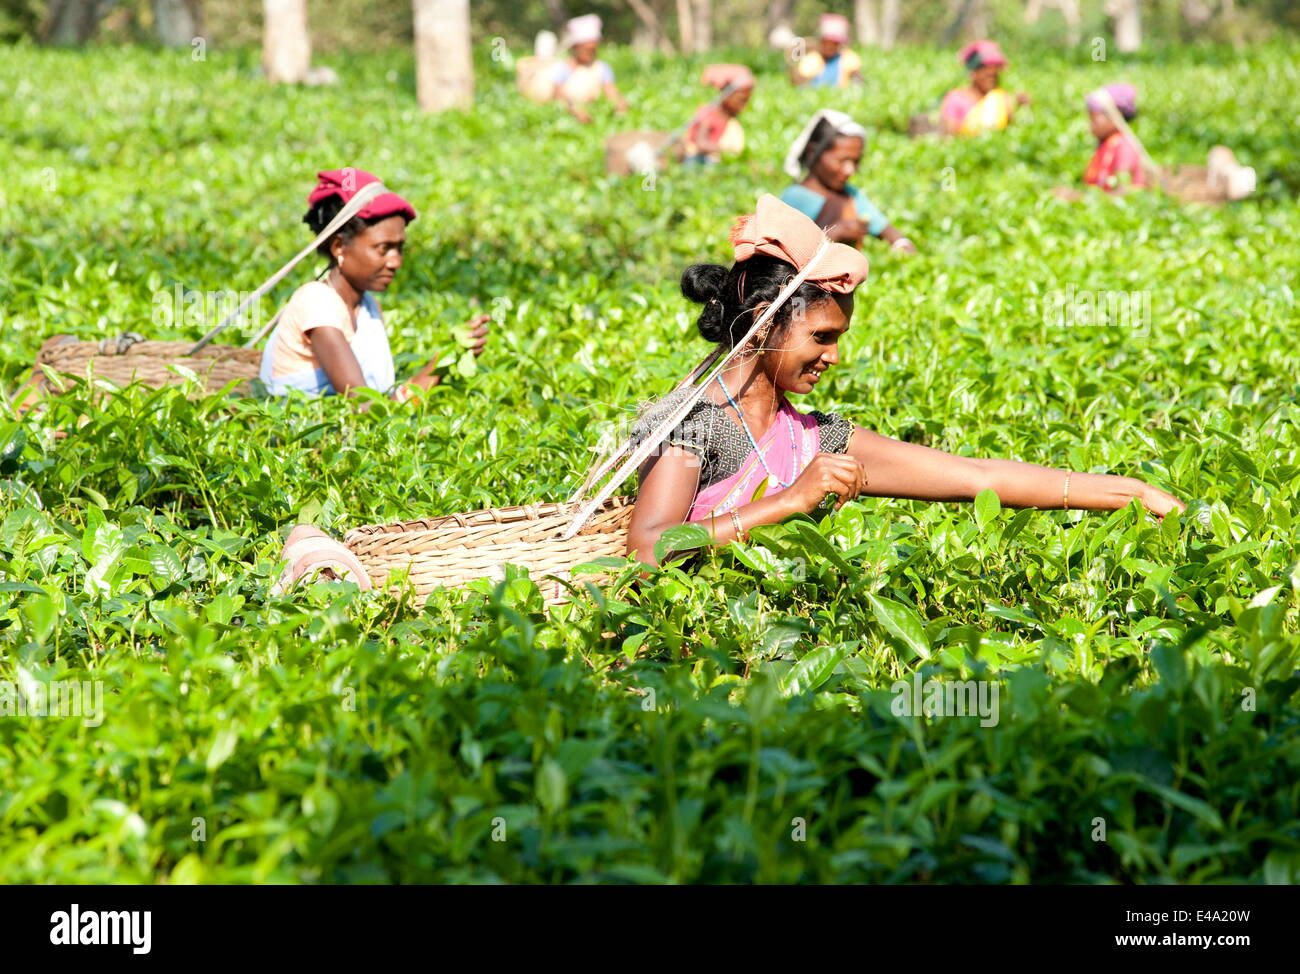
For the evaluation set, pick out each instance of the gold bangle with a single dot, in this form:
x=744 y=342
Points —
x=740 y=528
x=1065 y=498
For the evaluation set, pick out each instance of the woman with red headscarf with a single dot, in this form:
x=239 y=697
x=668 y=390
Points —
x=714 y=130
x=331 y=337
x=1116 y=166
x=734 y=453
x=981 y=106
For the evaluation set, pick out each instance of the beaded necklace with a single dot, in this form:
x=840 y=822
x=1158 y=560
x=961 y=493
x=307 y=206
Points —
x=794 y=442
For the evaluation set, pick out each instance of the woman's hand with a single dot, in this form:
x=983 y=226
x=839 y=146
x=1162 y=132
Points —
x=1022 y=98
x=1067 y=193
x=477 y=333
x=829 y=473
x=1157 y=501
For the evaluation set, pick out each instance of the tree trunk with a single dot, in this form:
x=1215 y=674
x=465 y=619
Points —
x=1069 y=10
x=703 y=25
x=970 y=20
x=778 y=15
x=444 y=68
x=1197 y=13
x=555 y=10
x=177 y=22
x=73 y=21
x=1128 y=27
x=685 y=26
x=866 y=25
x=651 y=27
x=889 y=24
x=286 y=45
x=1073 y=22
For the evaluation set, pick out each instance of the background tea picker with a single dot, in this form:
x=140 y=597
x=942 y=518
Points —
x=582 y=78
x=330 y=337
x=833 y=64
x=822 y=159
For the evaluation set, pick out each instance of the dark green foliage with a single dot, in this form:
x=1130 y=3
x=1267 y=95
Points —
x=734 y=721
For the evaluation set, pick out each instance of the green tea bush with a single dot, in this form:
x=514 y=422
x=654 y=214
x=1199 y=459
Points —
x=746 y=716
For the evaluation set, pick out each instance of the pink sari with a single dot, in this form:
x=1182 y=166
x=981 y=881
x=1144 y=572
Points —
x=786 y=464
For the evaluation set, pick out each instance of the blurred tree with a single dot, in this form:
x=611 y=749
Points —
x=703 y=24
x=1128 y=24
x=865 y=22
x=685 y=26
x=444 y=65
x=877 y=24
x=780 y=13
x=364 y=25
x=177 y=22
x=889 y=24
x=74 y=21
x=1069 y=10
x=651 y=30
x=286 y=45
x=970 y=20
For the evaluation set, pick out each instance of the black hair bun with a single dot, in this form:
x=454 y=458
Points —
x=703 y=284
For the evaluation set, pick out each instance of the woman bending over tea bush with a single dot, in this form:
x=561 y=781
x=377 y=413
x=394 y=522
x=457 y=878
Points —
x=331 y=335
x=743 y=455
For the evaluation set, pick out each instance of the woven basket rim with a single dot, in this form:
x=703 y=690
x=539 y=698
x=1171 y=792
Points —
x=490 y=517
x=147 y=349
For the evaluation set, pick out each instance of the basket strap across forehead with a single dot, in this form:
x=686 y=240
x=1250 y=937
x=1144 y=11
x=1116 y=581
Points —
x=657 y=435
x=350 y=209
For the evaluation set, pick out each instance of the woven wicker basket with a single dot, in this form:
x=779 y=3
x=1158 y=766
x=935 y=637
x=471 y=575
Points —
x=1192 y=184
x=150 y=362
x=458 y=548
x=617 y=147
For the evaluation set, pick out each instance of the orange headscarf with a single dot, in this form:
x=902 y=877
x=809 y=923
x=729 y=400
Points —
x=779 y=230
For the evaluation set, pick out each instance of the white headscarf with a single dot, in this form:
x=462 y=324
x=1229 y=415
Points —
x=843 y=125
x=582 y=30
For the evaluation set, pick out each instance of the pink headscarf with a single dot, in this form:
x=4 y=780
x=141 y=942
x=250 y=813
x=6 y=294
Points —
x=978 y=54
x=344 y=184
x=779 y=230
x=720 y=75
x=834 y=27
x=1123 y=95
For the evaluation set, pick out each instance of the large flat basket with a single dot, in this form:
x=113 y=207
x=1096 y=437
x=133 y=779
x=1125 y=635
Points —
x=454 y=549
x=150 y=362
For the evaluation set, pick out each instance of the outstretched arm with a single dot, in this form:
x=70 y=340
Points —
x=908 y=470
x=896 y=240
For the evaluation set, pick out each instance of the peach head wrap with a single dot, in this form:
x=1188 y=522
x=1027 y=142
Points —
x=779 y=230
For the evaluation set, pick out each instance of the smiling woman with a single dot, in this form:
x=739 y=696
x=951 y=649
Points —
x=744 y=456
x=331 y=337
